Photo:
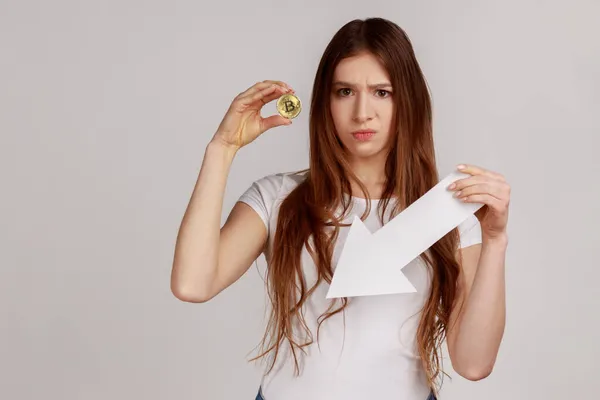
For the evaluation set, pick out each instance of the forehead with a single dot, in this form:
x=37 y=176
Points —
x=361 y=68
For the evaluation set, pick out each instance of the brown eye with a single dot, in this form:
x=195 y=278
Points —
x=383 y=93
x=343 y=92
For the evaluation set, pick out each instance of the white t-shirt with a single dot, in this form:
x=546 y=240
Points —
x=375 y=355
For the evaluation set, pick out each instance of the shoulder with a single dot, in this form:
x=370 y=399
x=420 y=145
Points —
x=275 y=186
x=267 y=192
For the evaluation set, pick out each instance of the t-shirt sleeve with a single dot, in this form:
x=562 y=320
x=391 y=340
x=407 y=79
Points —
x=262 y=194
x=470 y=232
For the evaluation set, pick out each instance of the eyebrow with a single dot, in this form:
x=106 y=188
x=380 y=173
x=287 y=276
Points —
x=375 y=86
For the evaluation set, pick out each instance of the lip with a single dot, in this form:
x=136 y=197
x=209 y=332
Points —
x=363 y=131
x=364 y=135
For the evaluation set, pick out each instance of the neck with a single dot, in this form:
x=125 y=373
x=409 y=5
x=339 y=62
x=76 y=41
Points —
x=370 y=173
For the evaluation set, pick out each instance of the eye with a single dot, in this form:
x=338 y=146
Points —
x=342 y=92
x=385 y=93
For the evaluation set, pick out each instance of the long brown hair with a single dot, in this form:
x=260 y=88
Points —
x=410 y=172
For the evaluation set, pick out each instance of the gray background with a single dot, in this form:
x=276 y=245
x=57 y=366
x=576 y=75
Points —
x=106 y=108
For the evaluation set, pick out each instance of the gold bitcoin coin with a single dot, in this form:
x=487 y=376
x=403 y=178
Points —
x=289 y=106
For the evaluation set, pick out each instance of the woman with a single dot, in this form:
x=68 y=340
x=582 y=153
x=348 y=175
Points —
x=371 y=146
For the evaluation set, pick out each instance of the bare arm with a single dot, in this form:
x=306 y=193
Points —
x=209 y=258
x=478 y=317
x=477 y=321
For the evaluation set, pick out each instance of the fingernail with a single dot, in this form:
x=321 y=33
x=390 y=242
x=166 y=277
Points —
x=452 y=186
x=461 y=166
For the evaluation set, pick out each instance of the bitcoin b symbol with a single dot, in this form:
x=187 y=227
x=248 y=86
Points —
x=289 y=106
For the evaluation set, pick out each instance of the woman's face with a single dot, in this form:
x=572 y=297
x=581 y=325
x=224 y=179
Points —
x=361 y=100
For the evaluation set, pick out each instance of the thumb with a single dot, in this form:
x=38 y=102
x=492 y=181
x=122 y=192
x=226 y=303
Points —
x=274 y=121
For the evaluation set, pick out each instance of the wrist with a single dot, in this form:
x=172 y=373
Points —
x=498 y=240
x=216 y=145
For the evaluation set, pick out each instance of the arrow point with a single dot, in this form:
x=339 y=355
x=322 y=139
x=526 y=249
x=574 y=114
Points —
x=358 y=232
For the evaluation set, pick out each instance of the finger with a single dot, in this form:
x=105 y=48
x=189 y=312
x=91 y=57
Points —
x=488 y=200
x=263 y=85
x=253 y=89
x=265 y=95
x=253 y=96
x=475 y=170
x=459 y=184
x=274 y=121
x=485 y=188
x=275 y=95
x=500 y=189
x=462 y=183
x=283 y=84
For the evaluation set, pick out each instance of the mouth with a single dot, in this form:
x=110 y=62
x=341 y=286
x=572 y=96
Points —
x=363 y=135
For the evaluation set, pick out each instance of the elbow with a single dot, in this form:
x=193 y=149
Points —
x=475 y=374
x=190 y=297
x=472 y=365
x=189 y=294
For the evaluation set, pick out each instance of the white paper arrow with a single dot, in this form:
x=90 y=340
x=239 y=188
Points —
x=371 y=264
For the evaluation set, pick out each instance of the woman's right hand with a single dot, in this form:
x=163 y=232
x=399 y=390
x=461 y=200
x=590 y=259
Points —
x=243 y=123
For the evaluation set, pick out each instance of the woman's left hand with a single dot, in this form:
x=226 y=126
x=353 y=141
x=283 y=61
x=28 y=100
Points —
x=488 y=188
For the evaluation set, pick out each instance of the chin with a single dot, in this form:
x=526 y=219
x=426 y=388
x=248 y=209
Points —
x=365 y=153
x=363 y=149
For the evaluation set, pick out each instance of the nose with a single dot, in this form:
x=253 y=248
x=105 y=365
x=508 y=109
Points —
x=363 y=111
